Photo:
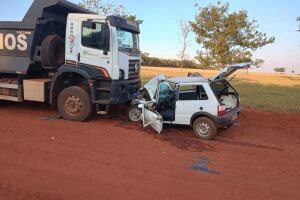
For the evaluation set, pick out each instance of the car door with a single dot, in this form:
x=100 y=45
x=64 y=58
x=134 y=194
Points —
x=151 y=117
x=191 y=99
x=93 y=49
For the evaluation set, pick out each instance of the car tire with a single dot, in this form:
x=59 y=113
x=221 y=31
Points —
x=53 y=52
x=74 y=103
x=204 y=128
x=134 y=113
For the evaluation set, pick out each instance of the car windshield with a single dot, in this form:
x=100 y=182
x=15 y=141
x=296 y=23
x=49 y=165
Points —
x=128 y=40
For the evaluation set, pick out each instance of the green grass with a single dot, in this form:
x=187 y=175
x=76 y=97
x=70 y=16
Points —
x=268 y=97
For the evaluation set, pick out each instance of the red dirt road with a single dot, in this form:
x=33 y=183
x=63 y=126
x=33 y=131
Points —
x=109 y=158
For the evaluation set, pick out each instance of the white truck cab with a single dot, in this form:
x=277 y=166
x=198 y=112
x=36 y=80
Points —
x=104 y=42
x=70 y=57
x=205 y=104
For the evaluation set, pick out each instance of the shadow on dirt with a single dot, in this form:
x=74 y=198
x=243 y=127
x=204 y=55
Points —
x=246 y=144
x=181 y=137
x=185 y=140
x=224 y=137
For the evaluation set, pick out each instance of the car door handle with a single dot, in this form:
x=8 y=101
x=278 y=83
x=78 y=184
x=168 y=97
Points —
x=78 y=57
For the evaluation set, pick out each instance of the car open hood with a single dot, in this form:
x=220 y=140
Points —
x=230 y=69
x=152 y=86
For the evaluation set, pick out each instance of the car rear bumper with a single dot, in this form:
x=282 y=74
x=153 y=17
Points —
x=228 y=118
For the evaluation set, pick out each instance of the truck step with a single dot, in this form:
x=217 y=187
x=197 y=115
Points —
x=9 y=86
x=9 y=98
x=102 y=109
x=11 y=91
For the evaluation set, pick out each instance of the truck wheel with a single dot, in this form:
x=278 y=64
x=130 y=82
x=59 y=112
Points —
x=74 y=104
x=53 y=52
x=134 y=113
x=204 y=128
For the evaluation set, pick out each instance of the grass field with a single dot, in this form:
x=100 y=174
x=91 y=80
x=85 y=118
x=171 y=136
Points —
x=273 y=92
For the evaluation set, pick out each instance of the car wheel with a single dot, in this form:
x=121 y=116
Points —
x=74 y=103
x=134 y=113
x=204 y=128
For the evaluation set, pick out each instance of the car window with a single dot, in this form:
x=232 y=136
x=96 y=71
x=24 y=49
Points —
x=192 y=92
x=202 y=93
x=188 y=92
x=92 y=36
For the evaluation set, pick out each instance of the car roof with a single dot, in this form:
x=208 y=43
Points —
x=187 y=79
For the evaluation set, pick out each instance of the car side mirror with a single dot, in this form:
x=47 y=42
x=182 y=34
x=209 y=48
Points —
x=105 y=37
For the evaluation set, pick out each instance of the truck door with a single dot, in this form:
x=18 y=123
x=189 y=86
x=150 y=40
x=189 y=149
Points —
x=191 y=99
x=94 y=44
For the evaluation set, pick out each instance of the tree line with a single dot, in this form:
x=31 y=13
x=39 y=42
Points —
x=147 y=60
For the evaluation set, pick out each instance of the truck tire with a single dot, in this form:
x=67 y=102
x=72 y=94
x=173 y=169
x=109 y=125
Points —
x=204 y=128
x=53 y=52
x=74 y=103
x=134 y=113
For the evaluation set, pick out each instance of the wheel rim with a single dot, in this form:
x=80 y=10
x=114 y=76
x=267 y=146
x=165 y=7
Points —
x=203 y=129
x=73 y=105
x=134 y=114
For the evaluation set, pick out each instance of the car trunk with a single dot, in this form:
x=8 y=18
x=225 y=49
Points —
x=225 y=93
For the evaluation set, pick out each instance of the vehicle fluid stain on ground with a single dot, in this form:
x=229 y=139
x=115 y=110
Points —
x=202 y=165
x=110 y=158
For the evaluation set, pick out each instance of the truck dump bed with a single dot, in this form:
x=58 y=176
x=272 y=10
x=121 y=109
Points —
x=20 y=41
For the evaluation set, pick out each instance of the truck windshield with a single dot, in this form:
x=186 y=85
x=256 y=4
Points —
x=128 y=40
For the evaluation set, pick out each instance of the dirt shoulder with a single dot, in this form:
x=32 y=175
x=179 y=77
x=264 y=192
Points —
x=109 y=158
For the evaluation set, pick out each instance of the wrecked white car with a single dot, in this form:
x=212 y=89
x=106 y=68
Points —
x=205 y=104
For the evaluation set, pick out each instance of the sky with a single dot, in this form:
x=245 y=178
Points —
x=160 y=29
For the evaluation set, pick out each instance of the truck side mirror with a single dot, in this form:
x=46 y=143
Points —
x=105 y=37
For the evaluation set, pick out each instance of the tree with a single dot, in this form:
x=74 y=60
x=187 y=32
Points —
x=185 y=30
x=293 y=71
x=279 y=69
x=227 y=37
x=97 y=6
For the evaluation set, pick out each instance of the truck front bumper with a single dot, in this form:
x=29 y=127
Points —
x=228 y=118
x=123 y=90
x=114 y=91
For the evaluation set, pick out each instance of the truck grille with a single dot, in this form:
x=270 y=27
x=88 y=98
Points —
x=134 y=69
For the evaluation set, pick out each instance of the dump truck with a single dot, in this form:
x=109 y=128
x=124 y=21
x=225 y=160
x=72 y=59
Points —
x=70 y=57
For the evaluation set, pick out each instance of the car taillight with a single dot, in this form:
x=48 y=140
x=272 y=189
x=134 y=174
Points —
x=221 y=110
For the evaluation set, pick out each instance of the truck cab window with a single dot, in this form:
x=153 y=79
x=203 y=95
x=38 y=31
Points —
x=92 y=36
x=128 y=40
